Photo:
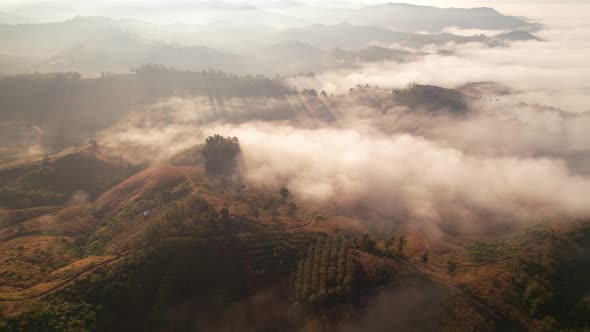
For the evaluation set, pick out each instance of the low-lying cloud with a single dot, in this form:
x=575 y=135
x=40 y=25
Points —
x=495 y=162
x=551 y=72
x=481 y=154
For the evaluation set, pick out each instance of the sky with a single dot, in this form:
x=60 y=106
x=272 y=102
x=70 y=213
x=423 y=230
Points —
x=49 y=10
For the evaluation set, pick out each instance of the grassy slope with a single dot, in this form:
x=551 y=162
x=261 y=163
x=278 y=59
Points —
x=43 y=255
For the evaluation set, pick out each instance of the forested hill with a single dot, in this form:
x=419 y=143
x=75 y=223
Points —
x=70 y=108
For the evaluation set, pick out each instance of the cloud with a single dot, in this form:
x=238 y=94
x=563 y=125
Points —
x=552 y=72
x=514 y=153
x=410 y=178
x=495 y=162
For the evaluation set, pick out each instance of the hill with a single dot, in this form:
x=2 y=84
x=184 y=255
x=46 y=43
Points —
x=517 y=36
x=414 y=18
x=64 y=109
x=220 y=248
x=72 y=175
x=346 y=35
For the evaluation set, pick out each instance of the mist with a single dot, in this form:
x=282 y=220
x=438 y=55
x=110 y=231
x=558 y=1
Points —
x=426 y=164
x=294 y=165
x=465 y=124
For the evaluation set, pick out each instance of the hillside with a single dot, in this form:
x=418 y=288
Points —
x=179 y=240
x=346 y=35
x=294 y=165
x=407 y=17
x=73 y=175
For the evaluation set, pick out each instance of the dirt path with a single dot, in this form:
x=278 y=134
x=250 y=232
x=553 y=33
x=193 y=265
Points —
x=39 y=160
x=497 y=260
x=312 y=219
x=64 y=283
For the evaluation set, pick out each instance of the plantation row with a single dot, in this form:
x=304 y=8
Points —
x=226 y=267
x=327 y=272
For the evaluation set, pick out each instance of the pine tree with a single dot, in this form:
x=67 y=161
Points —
x=425 y=257
x=305 y=292
x=317 y=258
x=333 y=265
x=401 y=244
x=299 y=278
x=341 y=271
x=324 y=264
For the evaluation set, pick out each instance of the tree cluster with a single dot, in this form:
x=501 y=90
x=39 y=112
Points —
x=327 y=272
x=221 y=154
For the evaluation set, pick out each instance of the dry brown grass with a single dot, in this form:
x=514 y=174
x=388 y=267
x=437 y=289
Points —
x=376 y=269
x=27 y=261
x=338 y=225
x=140 y=184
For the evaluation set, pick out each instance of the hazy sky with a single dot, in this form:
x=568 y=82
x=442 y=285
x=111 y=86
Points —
x=11 y=4
x=42 y=10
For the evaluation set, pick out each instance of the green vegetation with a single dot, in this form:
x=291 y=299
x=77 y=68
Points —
x=327 y=274
x=221 y=154
x=24 y=198
x=482 y=251
x=41 y=96
x=401 y=244
x=54 y=316
x=424 y=258
x=368 y=244
x=284 y=192
x=292 y=209
x=553 y=282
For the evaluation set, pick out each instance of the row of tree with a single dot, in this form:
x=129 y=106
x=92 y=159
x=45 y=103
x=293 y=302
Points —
x=326 y=273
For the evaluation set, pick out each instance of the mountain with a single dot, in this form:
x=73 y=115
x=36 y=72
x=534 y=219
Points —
x=413 y=18
x=346 y=35
x=372 y=53
x=292 y=57
x=191 y=253
x=517 y=35
x=121 y=52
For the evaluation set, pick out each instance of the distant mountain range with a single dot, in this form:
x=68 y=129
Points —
x=413 y=18
x=374 y=33
x=346 y=35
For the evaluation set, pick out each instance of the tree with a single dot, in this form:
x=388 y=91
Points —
x=225 y=213
x=299 y=278
x=221 y=154
x=309 y=92
x=401 y=244
x=452 y=268
x=368 y=244
x=20 y=229
x=424 y=257
x=307 y=274
x=274 y=213
x=284 y=192
x=324 y=94
x=389 y=242
x=324 y=265
x=254 y=210
x=93 y=145
x=341 y=263
x=292 y=210
x=317 y=262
